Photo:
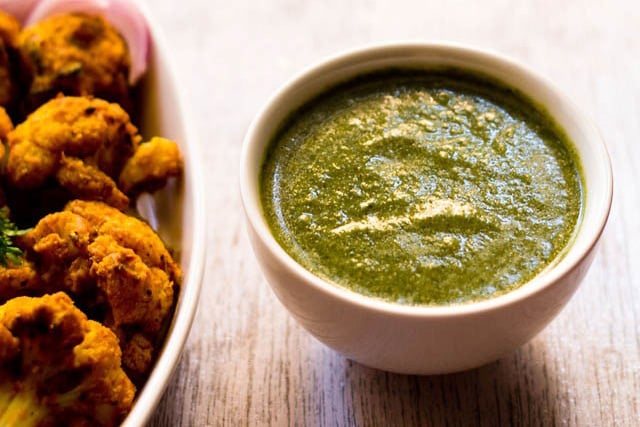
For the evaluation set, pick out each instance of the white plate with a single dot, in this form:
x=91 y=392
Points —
x=179 y=212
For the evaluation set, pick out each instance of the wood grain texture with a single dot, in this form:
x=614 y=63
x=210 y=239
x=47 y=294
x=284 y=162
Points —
x=248 y=363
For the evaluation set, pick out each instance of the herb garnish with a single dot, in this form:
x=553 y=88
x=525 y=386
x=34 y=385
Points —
x=8 y=231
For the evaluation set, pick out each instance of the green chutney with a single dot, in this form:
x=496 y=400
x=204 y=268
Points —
x=422 y=187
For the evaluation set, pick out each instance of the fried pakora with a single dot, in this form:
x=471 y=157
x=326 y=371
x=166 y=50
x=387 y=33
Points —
x=86 y=145
x=82 y=259
x=6 y=126
x=96 y=131
x=75 y=54
x=19 y=279
x=117 y=269
x=150 y=167
x=81 y=143
x=11 y=64
x=57 y=367
x=87 y=182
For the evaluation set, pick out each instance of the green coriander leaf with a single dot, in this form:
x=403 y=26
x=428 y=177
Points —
x=9 y=253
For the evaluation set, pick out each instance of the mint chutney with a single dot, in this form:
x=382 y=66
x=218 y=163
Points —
x=422 y=187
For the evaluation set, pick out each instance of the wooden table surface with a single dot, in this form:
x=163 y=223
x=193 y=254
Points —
x=248 y=363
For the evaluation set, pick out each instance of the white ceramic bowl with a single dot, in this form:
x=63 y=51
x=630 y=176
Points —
x=178 y=212
x=410 y=339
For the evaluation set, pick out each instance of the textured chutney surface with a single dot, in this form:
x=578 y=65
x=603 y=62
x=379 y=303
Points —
x=430 y=188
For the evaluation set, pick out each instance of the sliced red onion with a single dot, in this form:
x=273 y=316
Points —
x=124 y=15
x=20 y=9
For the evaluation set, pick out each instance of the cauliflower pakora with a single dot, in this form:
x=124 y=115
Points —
x=19 y=279
x=75 y=54
x=57 y=367
x=96 y=131
x=150 y=167
x=6 y=126
x=88 y=182
x=117 y=269
x=86 y=145
x=11 y=65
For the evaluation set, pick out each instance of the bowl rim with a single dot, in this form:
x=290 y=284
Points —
x=148 y=398
x=255 y=218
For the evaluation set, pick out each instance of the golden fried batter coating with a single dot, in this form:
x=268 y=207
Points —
x=59 y=368
x=79 y=126
x=95 y=213
x=59 y=238
x=8 y=345
x=88 y=182
x=9 y=63
x=92 y=129
x=17 y=280
x=150 y=166
x=76 y=54
x=9 y=29
x=116 y=268
x=137 y=353
x=57 y=246
x=30 y=165
x=138 y=295
x=83 y=143
x=129 y=232
x=6 y=126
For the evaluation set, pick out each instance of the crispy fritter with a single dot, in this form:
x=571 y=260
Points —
x=10 y=87
x=138 y=294
x=96 y=131
x=88 y=182
x=6 y=126
x=61 y=237
x=76 y=54
x=57 y=367
x=56 y=246
x=129 y=232
x=150 y=167
x=9 y=29
x=116 y=268
x=77 y=143
x=85 y=145
x=17 y=280
x=137 y=352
